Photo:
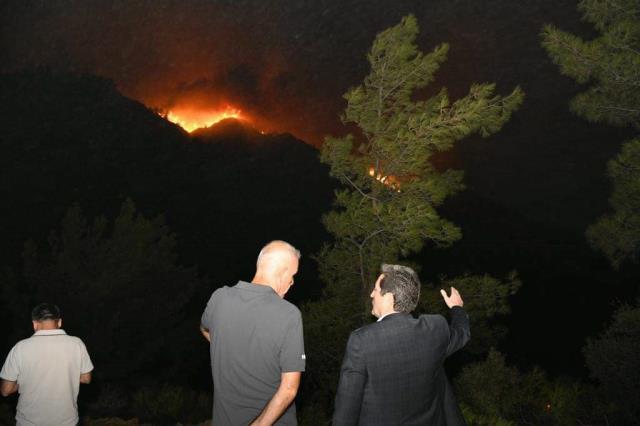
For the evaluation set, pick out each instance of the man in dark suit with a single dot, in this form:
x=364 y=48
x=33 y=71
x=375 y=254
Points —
x=393 y=373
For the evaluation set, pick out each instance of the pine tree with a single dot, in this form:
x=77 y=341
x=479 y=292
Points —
x=386 y=208
x=609 y=64
x=486 y=299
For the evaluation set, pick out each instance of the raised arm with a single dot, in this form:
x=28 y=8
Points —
x=459 y=330
x=7 y=387
x=284 y=396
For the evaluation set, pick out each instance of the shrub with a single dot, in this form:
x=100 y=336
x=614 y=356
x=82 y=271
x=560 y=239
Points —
x=170 y=404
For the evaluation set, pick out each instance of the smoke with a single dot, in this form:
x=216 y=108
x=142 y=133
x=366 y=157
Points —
x=170 y=54
x=284 y=63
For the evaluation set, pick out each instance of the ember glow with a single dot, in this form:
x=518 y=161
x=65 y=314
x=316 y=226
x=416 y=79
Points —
x=191 y=119
x=389 y=181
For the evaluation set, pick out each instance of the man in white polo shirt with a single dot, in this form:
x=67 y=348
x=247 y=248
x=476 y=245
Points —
x=46 y=369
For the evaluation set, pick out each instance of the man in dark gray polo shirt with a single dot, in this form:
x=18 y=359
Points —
x=256 y=343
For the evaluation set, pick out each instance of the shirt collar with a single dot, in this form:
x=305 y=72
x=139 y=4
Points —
x=386 y=315
x=260 y=288
x=54 y=332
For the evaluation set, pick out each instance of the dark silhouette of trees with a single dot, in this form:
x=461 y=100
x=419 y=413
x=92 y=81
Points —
x=608 y=64
x=614 y=362
x=119 y=288
x=495 y=393
x=486 y=301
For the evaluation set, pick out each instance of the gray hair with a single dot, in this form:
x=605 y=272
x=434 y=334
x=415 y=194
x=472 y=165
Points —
x=403 y=283
x=278 y=245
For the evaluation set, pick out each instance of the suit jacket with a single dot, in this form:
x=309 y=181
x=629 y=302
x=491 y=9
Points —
x=393 y=373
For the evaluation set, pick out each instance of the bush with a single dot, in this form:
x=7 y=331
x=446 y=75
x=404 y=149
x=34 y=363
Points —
x=171 y=404
x=493 y=393
x=613 y=361
x=111 y=400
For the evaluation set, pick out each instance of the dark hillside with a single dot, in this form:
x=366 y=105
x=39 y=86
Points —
x=74 y=139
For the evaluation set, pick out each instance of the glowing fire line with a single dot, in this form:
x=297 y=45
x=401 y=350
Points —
x=192 y=120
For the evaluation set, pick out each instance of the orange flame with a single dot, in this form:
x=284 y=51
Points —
x=190 y=119
x=389 y=181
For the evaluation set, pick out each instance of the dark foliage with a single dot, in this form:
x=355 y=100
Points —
x=614 y=361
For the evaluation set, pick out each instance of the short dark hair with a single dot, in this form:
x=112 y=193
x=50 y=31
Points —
x=403 y=283
x=46 y=311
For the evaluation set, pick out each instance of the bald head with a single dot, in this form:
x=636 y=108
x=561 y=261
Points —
x=277 y=264
x=276 y=249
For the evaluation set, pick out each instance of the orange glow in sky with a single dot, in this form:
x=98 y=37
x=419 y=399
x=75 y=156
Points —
x=192 y=119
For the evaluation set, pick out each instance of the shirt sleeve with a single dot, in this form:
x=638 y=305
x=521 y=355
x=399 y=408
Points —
x=11 y=369
x=292 y=357
x=86 y=366
x=207 y=315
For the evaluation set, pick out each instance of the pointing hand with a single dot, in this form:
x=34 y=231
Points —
x=454 y=299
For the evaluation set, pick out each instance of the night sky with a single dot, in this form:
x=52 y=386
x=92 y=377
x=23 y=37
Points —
x=287 y=63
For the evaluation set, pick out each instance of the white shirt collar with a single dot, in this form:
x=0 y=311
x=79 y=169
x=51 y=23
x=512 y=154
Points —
x=53 y=332
x=382 y=317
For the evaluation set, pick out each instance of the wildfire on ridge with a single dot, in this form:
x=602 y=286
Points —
x=191 y=119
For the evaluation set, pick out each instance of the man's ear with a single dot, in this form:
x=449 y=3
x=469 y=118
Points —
x=390 y=298
x=36 y=325
x=60 y=323
x=281 y=272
